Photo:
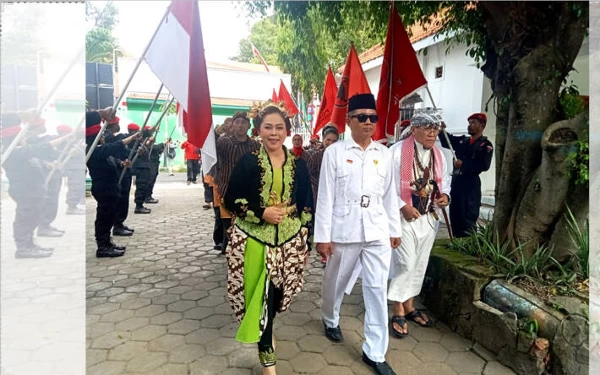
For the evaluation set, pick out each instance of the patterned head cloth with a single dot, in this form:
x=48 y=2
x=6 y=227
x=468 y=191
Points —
x=425 y=118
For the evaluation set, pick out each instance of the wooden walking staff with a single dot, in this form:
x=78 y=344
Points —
x=145 y=139
x=124 y=90
x=454 y=158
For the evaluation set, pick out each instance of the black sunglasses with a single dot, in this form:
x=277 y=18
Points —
x=363 y=118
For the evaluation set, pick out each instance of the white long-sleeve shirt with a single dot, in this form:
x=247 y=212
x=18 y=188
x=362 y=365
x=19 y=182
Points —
x=351 y=176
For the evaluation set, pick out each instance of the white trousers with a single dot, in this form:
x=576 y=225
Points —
x=410 y=262
x=374 y=258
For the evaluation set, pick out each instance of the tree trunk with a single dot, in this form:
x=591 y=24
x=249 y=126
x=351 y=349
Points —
x=533 y=54
x=543 y=202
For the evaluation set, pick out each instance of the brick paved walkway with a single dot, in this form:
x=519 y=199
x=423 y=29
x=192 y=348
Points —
x=161 y=309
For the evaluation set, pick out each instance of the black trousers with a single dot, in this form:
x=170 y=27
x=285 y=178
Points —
x=465 y=204
x=208 y=192
x=142 y=185
x=123 y=203
x=75 y=186
x=27 y=214
x=218 y=228
x=50 y=208
x=106 y=212
x=226 y=225
x=193 y=168
x=273 y=303
x=153 y=175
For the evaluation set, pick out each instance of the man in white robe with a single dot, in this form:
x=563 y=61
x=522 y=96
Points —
x=357 y=219
x=423 y=178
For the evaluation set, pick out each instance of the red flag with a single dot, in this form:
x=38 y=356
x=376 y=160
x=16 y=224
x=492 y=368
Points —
x=257 y=54
x=353 y=82
x=401 y=75
x=274 y=96
x=326 y=108
x=176 y=56
x=286 y=98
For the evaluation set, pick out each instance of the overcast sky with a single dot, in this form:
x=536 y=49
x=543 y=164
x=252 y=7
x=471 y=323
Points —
x=223 y=25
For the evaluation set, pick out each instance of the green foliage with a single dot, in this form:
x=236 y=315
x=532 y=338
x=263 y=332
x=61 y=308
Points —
x=581 y=240
x=21 y=41
x=570 y=101
x=100 y=42
x=579 y=160
x=315 y=34
x=263 y=35
x=484 y=243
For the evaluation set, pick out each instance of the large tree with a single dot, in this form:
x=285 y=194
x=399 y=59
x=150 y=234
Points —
x=263 y=35
x=527 y=50
x=100 y=43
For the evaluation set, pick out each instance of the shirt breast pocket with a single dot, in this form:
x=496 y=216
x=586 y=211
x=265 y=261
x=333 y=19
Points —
x=342 y=176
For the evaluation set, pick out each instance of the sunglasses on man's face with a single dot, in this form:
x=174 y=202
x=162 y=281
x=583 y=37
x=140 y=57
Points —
x=363 y=118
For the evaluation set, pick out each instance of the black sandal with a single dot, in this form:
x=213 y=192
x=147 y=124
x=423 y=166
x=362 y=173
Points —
x=399 y=319
x=415 y=314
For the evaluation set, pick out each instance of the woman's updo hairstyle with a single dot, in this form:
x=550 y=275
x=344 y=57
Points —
x=260 y=110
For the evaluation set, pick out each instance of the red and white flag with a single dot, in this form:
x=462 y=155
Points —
x=257 y=54
x=274 y=96
x=176 y=56
x=401 y=75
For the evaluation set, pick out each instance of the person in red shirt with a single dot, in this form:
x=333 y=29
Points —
x=191 y=157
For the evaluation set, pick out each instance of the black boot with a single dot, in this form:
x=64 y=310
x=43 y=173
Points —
x=49 y=231
x=151 y=200
x=108 y=251
x=121 y=231
x=118 y=247
x=142 y=210
x=32 y=250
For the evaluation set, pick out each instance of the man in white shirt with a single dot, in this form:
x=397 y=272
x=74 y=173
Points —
x=357 y=219
x=422 y=175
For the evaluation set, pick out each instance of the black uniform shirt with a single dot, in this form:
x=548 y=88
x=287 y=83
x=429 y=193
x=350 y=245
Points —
x=476 y=157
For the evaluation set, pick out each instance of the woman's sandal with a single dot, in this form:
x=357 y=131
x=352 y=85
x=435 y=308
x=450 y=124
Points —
x=416 y=314
x=399 y=319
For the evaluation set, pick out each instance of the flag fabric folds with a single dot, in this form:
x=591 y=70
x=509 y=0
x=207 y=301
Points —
x=353 y=82
x=326 y=108
x=287 y=99
x=401 y=76
x=176 y=56
x=274 y=97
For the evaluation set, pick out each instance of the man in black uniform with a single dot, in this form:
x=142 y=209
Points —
x=141 y=169
x=155 y=154
x=102 y=166
x=74 y=171
x=45 y=145
x=25 y=174
x=111 y=135
x=473 y=156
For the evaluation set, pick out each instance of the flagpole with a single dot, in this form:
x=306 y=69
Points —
x=443 y=130
x=391 y=74
x=124 y=89
x=145 y=139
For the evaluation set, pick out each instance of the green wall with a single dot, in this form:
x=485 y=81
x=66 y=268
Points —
x=137 y=110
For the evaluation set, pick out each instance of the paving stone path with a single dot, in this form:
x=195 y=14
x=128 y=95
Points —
x=162 y=309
